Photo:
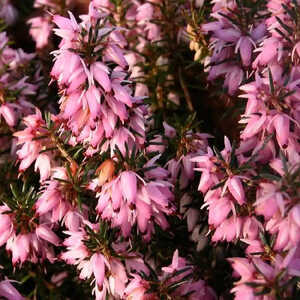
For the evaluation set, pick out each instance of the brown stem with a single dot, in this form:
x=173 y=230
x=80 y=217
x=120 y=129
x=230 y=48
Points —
x=185 y=91
x=64 y=153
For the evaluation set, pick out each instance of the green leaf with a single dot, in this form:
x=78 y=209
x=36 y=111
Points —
x=282 y=97
x=135 y=132
x=133 y=154
x=40 y=137
x=233 y=159
x=266 y=141
x=76 y=154
x=286 y=27
x=181 y=271
x=229 y=18
x=291 y=12
x=218 y=153
x=284 y=161
x=273 y=240
x=266 y=290
x=47 y=116
x=253 y=284
x=176 y=285
x=14 y=191
x=48 y=149
x=283 y=35
x=127 y=150
x=263 y=239
x=292 y=281
x=257 y=253
x=62 y=180
x=269 y=176
x=118 y=152
x=79 y=201
x=217 y=185
x=90 y=35
x=271 y=82
x=147 y=169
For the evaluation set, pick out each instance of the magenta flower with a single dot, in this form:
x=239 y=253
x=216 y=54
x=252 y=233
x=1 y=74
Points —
x=30 y=150
x=8 y=291
x=236 y=189
x=9 y=14
x=40 y=30
x=68 y=28
x=45 y=233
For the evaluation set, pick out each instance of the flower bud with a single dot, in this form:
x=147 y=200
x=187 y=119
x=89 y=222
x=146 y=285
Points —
x=105 y=171
x=73 y=167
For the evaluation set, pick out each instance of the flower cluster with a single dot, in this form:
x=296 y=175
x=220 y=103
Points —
x=41 y=25
x=16 y=84
x=117 y=180
x=171 y=276
x=251 y=189
x=97 y=103
x=233 y=40
x=8 y=12
x=27 y=237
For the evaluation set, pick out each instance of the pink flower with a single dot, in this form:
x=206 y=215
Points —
x=28 y=154
x=129 y=185
x=233 y=79
x=268 y=52
x=45 y=233
x=20 y=247
x=296 y=49
x=129 y=199
x=144 y=13
x=282 y=126
x=115 y=54
x=100 y=72
x=228 y=35
x=137 y=288
x=177 y=262
x=92 y=99
x=250 y=228
x=121 y=94
x=9 y=14
x=9 y=292
x=170 y=131
x=255 y=124
x=40 y=30
x=243 y=292
x=245 y=47
x=118 y=278
x=243 y=268
x=269 y=200
x=229 y=230
x=98 y=266
x=206 y=181
x=236 y=189
x=8 y=113
x=68 y=69
x=30 y=151
x=264 y=268
x=68 y=28
x=219 y=209
x=6 y=225
x=42 y=164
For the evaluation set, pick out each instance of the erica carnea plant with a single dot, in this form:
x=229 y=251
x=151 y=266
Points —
x=150 y=149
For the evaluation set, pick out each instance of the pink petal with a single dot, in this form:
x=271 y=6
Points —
x=98 y=268
x=129 y=185
x=236 y=189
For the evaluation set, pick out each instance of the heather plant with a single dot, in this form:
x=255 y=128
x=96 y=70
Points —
x=149 y=149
